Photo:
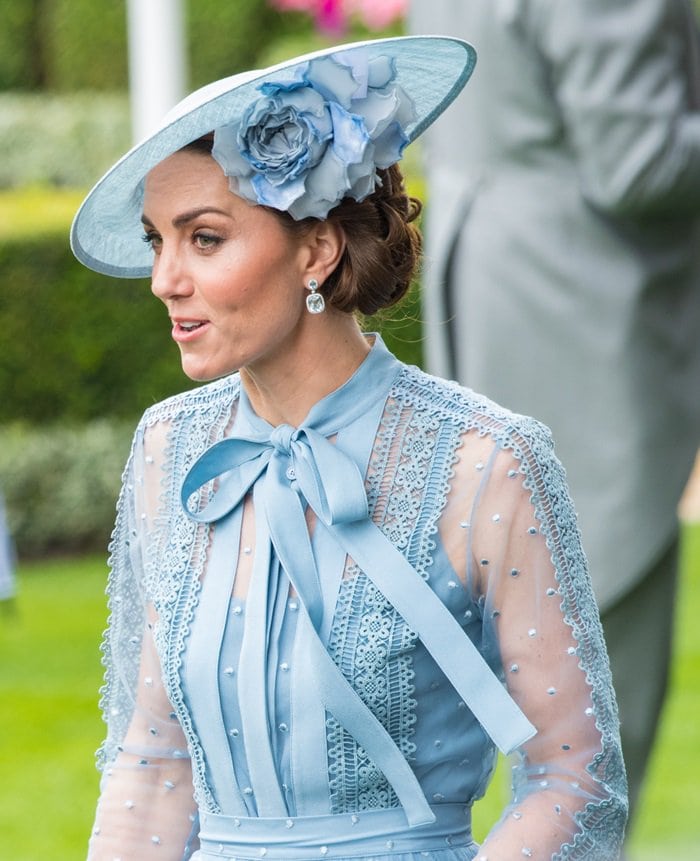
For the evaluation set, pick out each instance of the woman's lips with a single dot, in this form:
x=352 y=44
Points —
x=188 y=330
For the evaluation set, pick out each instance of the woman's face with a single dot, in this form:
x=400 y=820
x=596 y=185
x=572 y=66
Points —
x=231 y=277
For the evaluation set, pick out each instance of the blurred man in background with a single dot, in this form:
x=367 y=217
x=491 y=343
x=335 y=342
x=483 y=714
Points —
x=563 y=279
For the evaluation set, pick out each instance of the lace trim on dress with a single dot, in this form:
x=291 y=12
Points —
x=369 y=641
x=121 y=644
x=554 y=510
x=371 y=645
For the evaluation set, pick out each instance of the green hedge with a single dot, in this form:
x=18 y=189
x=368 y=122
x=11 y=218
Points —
x=62 y=44
x=60 y=485
x=65 y=45
x=62 y=140
x=78 y=345
x=17 y=71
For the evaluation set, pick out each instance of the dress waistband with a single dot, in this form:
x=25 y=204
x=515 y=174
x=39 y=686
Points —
x=309 y=838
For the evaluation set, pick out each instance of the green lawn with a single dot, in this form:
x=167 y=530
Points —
x=49 y=725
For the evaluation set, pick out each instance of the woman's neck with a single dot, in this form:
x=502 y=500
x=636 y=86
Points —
x=283 y=391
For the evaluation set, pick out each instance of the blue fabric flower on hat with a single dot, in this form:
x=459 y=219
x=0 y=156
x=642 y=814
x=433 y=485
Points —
x=317 y=135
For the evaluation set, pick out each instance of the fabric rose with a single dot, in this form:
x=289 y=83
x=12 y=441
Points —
x=317 y=135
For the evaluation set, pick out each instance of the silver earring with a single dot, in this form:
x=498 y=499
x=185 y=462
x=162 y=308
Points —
x=315 y=303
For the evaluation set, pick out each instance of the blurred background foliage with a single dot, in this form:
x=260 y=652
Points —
x=60 y=484
x=60 y=46
x=84 y=354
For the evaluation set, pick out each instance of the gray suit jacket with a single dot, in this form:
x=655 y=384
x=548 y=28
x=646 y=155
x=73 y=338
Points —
x=563 y=248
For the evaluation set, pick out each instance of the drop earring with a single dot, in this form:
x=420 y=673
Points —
x=315 y=303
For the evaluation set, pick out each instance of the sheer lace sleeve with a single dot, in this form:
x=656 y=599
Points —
x=541 y=628
x=146 y=808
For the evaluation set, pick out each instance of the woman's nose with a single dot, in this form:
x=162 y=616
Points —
x=169 y=277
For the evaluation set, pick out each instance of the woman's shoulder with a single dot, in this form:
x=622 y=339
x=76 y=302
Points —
x=447 y=400
x=482 y=428
x=210 y=398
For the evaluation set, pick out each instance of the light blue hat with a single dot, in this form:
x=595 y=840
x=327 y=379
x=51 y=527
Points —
x=299 y=136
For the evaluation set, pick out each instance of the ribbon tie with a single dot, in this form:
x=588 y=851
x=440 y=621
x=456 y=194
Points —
x=294 y=461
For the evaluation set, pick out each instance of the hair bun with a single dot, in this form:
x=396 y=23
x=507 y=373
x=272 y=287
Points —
x=383 y=247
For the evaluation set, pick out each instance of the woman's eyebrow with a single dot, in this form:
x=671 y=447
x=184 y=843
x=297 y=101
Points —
x=186 y=217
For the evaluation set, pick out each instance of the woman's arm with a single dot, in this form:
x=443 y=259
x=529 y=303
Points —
x=541 y=626
x=146 y=808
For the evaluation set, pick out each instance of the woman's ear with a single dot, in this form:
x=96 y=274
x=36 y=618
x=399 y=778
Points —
x=326 y=244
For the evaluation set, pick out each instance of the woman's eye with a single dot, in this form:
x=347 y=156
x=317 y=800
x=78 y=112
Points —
x=152 y=239
x=206 y=241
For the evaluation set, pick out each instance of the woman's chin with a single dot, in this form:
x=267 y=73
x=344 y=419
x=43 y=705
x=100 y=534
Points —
x=199 y=374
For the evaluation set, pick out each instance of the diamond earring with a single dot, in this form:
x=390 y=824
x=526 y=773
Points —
x=315 y=303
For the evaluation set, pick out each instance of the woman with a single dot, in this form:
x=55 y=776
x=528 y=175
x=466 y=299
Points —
x=326 y=563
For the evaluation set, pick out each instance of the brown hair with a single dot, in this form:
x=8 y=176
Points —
x=382 y=244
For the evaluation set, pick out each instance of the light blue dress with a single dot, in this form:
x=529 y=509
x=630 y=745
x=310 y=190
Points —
x=320 y=636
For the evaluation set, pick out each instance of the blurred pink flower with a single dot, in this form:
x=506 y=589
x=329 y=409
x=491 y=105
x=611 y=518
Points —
x=378 y=14
x=331 y=15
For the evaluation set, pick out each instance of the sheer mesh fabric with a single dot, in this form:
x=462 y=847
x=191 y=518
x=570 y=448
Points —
x=146 y=808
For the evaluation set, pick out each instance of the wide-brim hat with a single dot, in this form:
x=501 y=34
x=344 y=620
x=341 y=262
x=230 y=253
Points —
x=107 y=234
